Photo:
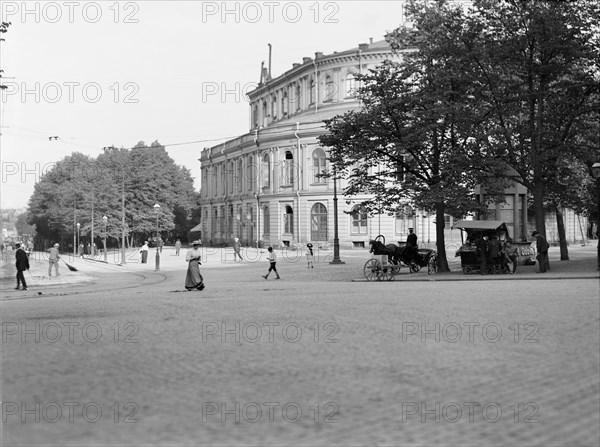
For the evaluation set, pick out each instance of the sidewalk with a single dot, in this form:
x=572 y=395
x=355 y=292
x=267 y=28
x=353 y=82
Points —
x=582 y=265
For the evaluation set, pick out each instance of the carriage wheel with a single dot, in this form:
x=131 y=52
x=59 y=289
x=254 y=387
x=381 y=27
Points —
x=387 y=273
x=414 y=267
x=372 y=269
x=432 y=266
x=395 y=265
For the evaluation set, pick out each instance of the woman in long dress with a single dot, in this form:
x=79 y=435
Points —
x=193 y=279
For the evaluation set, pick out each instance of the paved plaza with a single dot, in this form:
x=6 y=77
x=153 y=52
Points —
x=123 y=355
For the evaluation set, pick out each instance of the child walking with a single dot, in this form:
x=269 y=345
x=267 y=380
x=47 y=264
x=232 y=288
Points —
x=272 y=257
x=310 y=258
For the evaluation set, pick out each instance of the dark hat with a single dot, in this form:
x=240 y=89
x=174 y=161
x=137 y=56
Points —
x=535 y=233
x=17 y=245
x=411 y=228
x=309 y=245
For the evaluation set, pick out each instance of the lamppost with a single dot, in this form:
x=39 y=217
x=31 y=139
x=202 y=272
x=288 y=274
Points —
x=105 y=219
x=596 y=174
x=157 y=259
x=78 y=225
x=336 y=240
x=123 y=261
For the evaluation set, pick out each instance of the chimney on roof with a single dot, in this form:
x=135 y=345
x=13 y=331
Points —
x=318 y=55
x=262 y=73
x=306 y=59
x=370 y=40
x=363 y=46
x=295 y=64
x=269 y=74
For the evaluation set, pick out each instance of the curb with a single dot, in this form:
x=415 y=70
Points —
x=473 y=278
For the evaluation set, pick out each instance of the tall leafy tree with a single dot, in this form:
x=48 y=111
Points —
x=535 y=67
x=146 y=175
x=412 y=141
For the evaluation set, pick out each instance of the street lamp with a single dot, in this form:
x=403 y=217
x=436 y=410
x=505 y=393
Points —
x=78 y=225
x=596 y=174
x=105 y=219
x=336 y=239
x=157 y=259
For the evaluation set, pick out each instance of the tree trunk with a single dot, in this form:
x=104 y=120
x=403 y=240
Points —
x=538 y=207
x=439 y=236
x=560 y=223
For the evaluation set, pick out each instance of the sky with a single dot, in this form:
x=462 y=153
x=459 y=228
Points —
x=110 y=73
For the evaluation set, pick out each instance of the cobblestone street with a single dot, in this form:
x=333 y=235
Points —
x=311 y=359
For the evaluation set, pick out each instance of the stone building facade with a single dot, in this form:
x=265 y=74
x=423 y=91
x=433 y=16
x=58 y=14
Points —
x=265 y=187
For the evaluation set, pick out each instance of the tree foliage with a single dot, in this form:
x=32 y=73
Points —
x=506 y=91
x=412 y=141
x=144 y=175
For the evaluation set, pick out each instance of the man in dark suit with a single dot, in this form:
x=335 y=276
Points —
x=22 y=264
x=411 y=249
x=542 y=247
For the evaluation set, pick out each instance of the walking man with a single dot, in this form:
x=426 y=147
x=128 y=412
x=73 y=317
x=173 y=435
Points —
x=236 y=249
x=272 y=257
x=22 y=264
x=542 y=247
x=53 y=260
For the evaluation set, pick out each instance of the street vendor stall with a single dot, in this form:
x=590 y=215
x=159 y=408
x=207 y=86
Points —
x=496 y=233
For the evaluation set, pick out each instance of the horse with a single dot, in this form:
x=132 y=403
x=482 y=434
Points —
x=397 y=254
x=393 y=251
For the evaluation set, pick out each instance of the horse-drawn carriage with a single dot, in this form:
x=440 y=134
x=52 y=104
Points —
x=388 y=259
x=496 y=233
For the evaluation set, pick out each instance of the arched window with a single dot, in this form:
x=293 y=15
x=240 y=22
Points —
x=223 y=169
x=274 y=107
x=313 y=91
x=288 y=220
x=350 y=85
x=255 y=119
x=284 y=105
x=213 y=180
x=359 y=220
x=318 y=158
x=287 y=169
x=215 y=220
x=239 y=176
x=250 y=170
x=265 y=119
x=266 y=171
x=318 y=222
x=266 y=222
x=230 y=173
x=329 y=89
x=222 y=222
x=298 y=98
x=230 y=221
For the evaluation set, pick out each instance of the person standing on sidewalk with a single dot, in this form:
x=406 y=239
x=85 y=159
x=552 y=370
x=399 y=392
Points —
x=53 y=259
x=193 y=278
x=237 y=246
x=272 y=257
x=144 y=252
x=542 y=246
x=510 y=252
x=177 y=247
x=310 y=257
x=22 y=264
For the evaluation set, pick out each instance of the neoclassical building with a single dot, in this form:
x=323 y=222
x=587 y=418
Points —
x=265 y=186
